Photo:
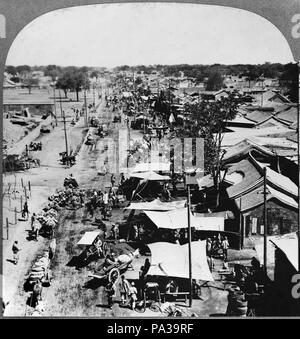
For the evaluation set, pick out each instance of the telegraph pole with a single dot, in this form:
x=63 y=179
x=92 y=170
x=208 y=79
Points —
x=190 y=245
x=66 y=139
x=54 y=104
x=265 y=219
x=65 y=127
x=94 y=94
x=86 y=112
x=61 y=111
x=298 y=64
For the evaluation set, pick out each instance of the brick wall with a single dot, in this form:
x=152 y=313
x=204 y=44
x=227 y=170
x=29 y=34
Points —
x=281 y=219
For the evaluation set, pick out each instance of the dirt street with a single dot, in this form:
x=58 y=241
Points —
x=73 y=292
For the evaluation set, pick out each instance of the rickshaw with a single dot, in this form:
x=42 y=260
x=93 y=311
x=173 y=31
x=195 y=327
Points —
x=114 y=269
x=94 y=245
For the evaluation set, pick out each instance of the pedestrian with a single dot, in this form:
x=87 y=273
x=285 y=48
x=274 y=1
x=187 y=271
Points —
x=111 y=293
x=105 y=198
x=112 y=180
x=116 y=232
x=141 y=281
x=122 y=180
x=208 y=247
x=225 y=246
x=25 y=211
x=16 y=249
x=37 y=293
x=35 y=231
x=133 y=295
x=146 y=266
x=52 y=248
x=81 y=196
x=33 y=219
x=135 y=232
x=211 y=263
x=124 y=288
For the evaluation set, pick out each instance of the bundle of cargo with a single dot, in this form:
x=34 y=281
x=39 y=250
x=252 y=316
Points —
x=48 y=224
x=40 y=271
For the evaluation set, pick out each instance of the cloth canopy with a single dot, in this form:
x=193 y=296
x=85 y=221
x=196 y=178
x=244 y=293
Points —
x=88 y=238
x=127 y=94
x=177 y=219
x=287 y=243
x=171 y=118
x=150 y=176
x=156 y=205
x=152 y=167
x=172 y=260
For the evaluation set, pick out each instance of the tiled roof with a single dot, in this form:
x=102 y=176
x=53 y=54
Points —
x=289 y=115
x=259 y=116
x=255 y=198
x=251 y=175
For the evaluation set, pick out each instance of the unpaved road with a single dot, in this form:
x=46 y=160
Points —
x=73 y=292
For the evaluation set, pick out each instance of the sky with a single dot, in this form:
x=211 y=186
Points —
x=147 y=34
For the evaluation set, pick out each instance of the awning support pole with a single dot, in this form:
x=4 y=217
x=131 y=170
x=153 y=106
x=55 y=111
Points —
x=190 y=249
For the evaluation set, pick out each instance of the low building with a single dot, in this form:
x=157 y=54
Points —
x=36 y=104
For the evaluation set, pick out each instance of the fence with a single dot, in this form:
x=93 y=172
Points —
x=13 y=198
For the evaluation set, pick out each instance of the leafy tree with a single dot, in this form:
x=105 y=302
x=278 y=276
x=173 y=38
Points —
x=53 y=71
x=73 y=79
x=11 y=70
x=289 y=80
x=95 y=74
x=64 y=82
x=23 y=69
x=28 y=81
x=138 y=81
x=208 y=121
x=215 y=82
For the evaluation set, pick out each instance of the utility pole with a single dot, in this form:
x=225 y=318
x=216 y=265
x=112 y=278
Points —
x=85 y=106
x=54 y=104
x=94 y=94
x=241 y=226
x=190 y=245
x=66 y=139
x=265 y=219
x=61 y=111
x=298 y=64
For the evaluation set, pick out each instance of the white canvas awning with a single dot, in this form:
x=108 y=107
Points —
x=290 y=248
x=150 y=176
x=88 y=238
x=127 y=94
x=286 y=243
x=152 y=167
x=177 y=219
x=156 y=205
x=172 y=260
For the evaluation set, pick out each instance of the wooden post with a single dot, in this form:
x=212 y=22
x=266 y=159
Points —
x=21 y=203
x=22 y=182
x=29 y=187
x=265 y=219
x=16 y=215
x=7 y=229
x=241 y=226
x=298 y=125
x=189 y=245
x=25 y=192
